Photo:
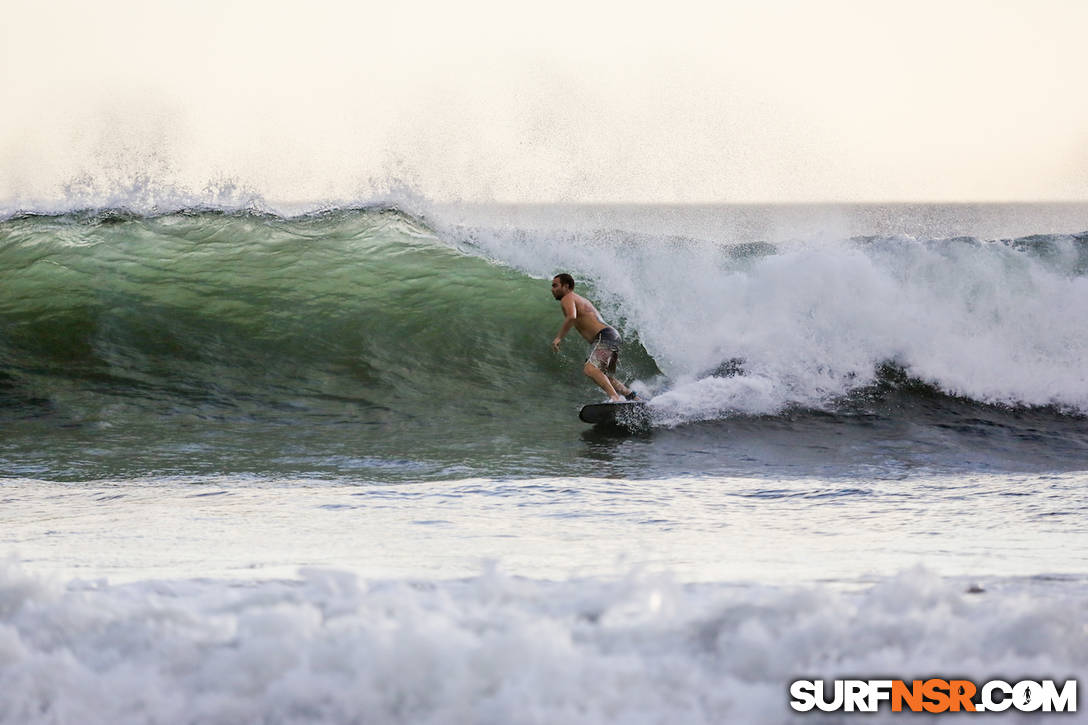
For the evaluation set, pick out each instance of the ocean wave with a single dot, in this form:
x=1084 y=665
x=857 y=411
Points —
x=113 y=294
x=233 y=327
x=325 y=303
x=995 y=322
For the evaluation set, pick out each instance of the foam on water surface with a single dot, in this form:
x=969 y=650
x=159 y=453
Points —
x=332 y=648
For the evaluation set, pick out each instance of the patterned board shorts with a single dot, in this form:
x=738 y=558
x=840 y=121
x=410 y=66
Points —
x=605 y=352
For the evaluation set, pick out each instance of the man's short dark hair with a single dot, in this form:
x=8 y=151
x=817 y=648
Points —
x=565 y=279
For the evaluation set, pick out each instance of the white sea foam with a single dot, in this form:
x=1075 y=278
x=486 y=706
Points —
x=331 y=648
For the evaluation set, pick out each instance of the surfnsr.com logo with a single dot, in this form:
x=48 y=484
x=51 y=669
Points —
x=933 y=695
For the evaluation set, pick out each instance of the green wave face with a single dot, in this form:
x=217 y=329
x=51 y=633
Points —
x=198 y=342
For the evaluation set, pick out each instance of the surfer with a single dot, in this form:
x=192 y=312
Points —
x=578 y=312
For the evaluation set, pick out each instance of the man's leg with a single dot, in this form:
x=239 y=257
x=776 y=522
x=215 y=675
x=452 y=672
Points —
x=598 y=376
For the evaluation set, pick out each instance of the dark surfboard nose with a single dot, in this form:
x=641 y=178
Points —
x=630 y=413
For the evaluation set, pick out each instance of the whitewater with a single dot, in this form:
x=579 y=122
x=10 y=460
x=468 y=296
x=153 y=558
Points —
x=261 y=464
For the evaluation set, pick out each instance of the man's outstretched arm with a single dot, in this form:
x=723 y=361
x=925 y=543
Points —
x=570 y=314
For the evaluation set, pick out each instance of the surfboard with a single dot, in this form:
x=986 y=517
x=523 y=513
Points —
x=629 y=414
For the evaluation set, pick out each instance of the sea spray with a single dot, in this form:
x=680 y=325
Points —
x=998 y=322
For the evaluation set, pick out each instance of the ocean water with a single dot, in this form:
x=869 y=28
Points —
x=270 y=465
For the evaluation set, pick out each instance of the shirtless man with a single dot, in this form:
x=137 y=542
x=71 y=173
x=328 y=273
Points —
x=580 y=313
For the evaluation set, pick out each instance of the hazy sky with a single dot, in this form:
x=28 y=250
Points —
x=578 y=101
